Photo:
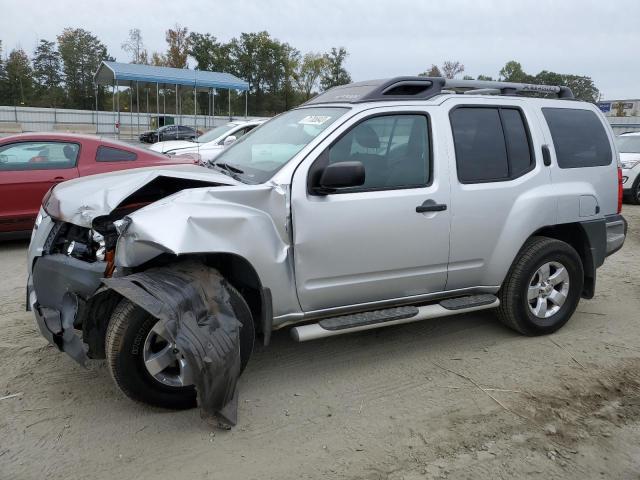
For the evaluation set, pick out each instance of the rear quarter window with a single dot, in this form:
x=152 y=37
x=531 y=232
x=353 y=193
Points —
x=579 y=138
x=111 y=154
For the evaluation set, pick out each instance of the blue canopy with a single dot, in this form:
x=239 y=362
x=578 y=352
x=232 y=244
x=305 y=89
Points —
x=127 y=73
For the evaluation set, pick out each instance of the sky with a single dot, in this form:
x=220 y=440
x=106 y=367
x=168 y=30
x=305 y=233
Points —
x=384 y=38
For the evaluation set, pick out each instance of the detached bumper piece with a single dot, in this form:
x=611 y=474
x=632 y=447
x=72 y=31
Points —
x=62 y=284
x=194 y=304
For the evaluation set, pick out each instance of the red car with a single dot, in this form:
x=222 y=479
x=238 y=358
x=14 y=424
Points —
x=31 y=163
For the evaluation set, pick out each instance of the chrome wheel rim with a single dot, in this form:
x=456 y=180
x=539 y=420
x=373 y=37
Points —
x=548 y=289
x=162 y=359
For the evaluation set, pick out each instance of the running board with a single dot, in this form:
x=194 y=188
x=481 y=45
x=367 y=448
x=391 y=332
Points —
x=358 y=322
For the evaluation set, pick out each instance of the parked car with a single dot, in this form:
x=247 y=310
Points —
x=31 y=163
x=210 y=144
x=376 y=203
x=629 y=149
x=169 y=132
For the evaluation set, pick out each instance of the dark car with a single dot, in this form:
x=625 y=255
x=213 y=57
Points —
x=31 y=163
x=169 y=132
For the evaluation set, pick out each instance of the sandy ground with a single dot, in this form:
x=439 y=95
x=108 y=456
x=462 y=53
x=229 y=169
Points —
x=451 y=398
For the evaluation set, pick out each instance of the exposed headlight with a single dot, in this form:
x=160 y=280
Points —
x=629 y=164
x=99 y=239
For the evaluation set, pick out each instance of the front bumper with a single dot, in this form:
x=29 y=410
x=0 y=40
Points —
x=57 y=291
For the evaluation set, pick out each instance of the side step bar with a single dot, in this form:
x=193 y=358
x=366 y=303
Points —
x=358 y=322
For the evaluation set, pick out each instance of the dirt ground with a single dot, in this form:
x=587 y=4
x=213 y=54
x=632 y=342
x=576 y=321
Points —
x=450 y=398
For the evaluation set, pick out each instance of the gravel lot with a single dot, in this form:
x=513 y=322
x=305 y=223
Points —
x=449 y=398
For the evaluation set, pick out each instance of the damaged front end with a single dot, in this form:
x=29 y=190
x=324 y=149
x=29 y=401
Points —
x=159 y=239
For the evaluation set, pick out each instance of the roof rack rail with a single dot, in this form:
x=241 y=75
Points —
x=422 y=88
x=506 y=88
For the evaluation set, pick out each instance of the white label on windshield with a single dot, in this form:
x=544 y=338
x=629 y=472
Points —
x=314 y=120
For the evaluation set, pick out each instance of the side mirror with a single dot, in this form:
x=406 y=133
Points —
x=229 y=140
x=340 y=175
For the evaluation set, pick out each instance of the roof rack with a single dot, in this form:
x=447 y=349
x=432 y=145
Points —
x=422 y=88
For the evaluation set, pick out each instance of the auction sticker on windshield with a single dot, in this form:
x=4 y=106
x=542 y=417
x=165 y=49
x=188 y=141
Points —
x=314 y=120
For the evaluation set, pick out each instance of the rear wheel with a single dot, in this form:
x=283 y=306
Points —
x=543 y=287
x=148 y=367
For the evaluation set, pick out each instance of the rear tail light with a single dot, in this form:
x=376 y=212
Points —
x=619 y=190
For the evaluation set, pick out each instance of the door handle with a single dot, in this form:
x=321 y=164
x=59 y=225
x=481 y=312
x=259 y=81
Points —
x=546 y=155
x=431 y=206
x=57 y=179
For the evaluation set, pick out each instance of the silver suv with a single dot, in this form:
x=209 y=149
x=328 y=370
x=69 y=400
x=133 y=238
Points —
x=374 y=204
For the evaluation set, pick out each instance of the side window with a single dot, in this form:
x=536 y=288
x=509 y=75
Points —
x=111 y=154
x=491 y=143
x=394 y=150
x=579 y=138
x=38 y=156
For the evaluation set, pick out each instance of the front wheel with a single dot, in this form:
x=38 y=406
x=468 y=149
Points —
x=543 y=287
x=634 y=194
x=148 y=367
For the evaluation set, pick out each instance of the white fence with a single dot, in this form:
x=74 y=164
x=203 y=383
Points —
x=31 y=119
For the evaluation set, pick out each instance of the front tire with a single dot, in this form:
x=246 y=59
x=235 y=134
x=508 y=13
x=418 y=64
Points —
x=634 y=196
x=140 y=359
x=543 y=287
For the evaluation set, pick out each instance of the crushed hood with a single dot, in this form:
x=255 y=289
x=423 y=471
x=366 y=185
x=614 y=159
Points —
x=81 y=200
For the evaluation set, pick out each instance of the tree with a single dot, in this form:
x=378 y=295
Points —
x=334 y=73
x=81 y=54
x=434 y=71
x=3 y=79
x=485 y=77
x=311 y=68
x=158 y=60
x=467 y=77
x=47 y=71
x=135 y=47
x=582 y=87
x=512 y=72
x=19 y=78
x=178 y=47
x=452 y=68
x=208 y=53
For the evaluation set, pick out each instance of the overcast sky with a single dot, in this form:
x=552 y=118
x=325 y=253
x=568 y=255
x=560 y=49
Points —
x=384 y=38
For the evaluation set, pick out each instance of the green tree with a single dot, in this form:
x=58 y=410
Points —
x=19 y=78
x=3 y=80
x=208 y=53
x=311 y=68
x=485 y=78
x=582 y=87
x=178 y=47
x=47 y=71
x=434 y=71
x=513 y=72
x=81 y=54
x=334 y=73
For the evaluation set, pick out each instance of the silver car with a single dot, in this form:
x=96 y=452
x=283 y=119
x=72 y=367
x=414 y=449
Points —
x=374 y=204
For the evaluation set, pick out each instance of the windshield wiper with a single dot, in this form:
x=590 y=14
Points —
x=228 y=169
x=228 y=166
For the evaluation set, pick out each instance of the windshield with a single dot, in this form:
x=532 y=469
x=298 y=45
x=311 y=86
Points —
x=258 y=156
x=215 y=133
x=628 y=144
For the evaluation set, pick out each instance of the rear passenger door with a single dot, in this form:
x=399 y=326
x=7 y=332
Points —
x=498 y=195
x=583 y=168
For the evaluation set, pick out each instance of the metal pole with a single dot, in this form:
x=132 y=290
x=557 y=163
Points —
x=96 y=90
x=213 y=106
x=130 y=106
x=164 y=101
x=113 y=103
x=176 y=102
x=158 y=104
x=229 y=104
x=246 y=103
x=118 y=102
x=148 y=114
x=138 y=104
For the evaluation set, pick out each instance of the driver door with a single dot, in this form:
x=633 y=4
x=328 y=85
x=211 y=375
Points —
x=368 y=243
